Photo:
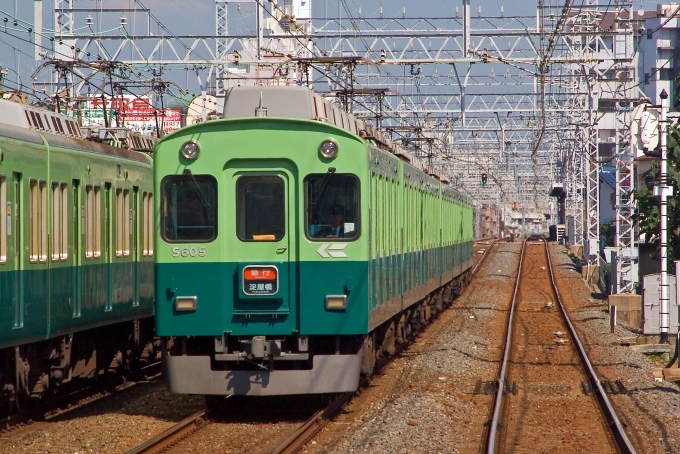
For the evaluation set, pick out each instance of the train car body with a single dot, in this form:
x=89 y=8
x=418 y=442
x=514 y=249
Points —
x=263 y=289
x=76 y=251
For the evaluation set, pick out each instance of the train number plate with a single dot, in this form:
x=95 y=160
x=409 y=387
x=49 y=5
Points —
x=260 y=280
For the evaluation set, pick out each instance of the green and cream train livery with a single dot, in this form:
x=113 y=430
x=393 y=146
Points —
x=296 y=247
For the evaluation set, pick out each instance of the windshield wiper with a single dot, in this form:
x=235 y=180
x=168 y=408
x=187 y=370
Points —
x=197 y=188
x=322 y=189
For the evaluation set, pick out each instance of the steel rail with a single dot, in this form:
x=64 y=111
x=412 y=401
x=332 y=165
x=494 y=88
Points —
x=311 y=427
x=486 y=251
x=164 y=439
x=493 y=426
x=615 y=425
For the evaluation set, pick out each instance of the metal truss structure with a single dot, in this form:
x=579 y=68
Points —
x=520 y=98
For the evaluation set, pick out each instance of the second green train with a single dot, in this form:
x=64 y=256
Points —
x=296 y=247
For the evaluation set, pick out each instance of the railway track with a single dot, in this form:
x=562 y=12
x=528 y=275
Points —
x=193 y=427
x=74 y=400
x=547 y=393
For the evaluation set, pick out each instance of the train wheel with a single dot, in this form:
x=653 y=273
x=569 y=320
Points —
x=368 y=356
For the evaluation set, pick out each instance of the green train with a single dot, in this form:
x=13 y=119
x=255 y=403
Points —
x=76 y=252
x=296 y=247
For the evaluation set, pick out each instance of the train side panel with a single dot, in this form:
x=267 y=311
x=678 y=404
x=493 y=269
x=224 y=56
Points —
x=43 y=286
x=23 y=279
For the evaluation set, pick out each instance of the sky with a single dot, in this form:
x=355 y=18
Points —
x=186 y=17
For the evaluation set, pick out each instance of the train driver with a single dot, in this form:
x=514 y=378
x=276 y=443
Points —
x=336 y=229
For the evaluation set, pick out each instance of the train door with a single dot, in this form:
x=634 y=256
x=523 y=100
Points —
x=264 y=240
x=135 y=247
x=77 y=260
x=108 y=252
x=16 y=223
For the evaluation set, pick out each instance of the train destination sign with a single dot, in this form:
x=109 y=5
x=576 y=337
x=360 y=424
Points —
x=260 y=280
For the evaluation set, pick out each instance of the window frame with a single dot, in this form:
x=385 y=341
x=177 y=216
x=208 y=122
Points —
x=37 y=220
x=3 y=219
x=161 y=217
x=127 y=221
x=357 y=225
x=56 y=221
x=93 y=222
x=238 y=207
x=64 y=221
x=120 y=221
x=97 y=219
x=147 y=224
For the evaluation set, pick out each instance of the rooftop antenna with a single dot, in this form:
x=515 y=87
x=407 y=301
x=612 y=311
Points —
x=260 y=111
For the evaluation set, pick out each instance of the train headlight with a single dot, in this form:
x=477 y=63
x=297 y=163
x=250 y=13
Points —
x=328 y=149
x=186 y=303
x=190 y=150
x=336 y=302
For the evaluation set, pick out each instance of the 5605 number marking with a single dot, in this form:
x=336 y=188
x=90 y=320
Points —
x=188 y=252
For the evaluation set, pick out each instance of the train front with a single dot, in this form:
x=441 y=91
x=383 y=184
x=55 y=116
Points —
x=261 y=265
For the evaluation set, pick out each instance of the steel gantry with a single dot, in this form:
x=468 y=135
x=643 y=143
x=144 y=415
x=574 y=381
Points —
x=521 y=98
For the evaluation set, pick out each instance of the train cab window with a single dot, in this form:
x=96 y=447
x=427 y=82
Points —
x=260 y=208
x=189 y=208
x=332 y=206
x=3 y=219
x=147 y=224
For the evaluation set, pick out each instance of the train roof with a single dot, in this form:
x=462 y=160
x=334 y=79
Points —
x=20 y=122
x=44 y=121
x=303 y=103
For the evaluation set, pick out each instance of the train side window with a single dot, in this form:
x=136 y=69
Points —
x=97 y=223
x=332 y=206
x=260 y=208
x=42 y=185
x=123 y=219
x=119 y=222
x=188 y=208
x=89 y=222
x=127 y=220
x=38 y=221
x=64 y=221
x=56 y=220
x=3 y=219
x=147 y=224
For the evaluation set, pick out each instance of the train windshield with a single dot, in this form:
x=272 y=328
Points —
x=332 y=206
x=189 y=208
x=260 y=208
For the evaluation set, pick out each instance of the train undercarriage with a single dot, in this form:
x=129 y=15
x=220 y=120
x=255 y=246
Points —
x=33 y=372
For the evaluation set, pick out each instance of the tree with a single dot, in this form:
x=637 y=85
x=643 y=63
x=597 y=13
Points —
x=647 y=211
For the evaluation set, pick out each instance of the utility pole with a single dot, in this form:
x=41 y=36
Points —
x=663 y=191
